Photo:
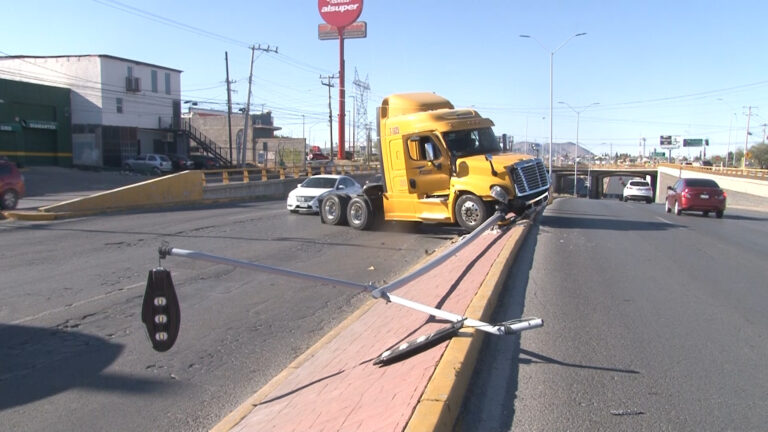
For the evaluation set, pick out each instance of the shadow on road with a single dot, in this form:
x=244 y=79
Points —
x=37 y=363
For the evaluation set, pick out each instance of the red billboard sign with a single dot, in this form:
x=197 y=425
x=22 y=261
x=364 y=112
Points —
x=356 y=30
x=340 y=13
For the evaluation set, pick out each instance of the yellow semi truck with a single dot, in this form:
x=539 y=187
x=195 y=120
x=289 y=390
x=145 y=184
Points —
x=439 y=164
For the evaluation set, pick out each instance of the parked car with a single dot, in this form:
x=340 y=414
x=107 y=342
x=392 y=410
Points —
x=202 y=161
x=12 y=187
x=154 y=163
x=180 y=163
x=308 y=195
x=638 y=190
x=696 y=194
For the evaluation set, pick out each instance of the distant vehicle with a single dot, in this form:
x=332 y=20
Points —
x=308 y=195
x=154 y=163
x=180 y=163
x=706 y=163
x=695 y=194
x=12 y=187
x=638 y=190
x=202 y=161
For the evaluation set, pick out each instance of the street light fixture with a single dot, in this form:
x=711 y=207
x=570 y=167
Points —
x=551 y=94
x=576 y=152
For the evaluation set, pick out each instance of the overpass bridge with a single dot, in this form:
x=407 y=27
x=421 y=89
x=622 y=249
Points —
x=750 y=181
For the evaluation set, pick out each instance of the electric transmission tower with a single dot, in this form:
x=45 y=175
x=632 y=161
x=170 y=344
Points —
x=361 y=110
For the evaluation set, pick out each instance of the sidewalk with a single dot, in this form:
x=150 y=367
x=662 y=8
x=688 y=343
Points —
x=335 y=386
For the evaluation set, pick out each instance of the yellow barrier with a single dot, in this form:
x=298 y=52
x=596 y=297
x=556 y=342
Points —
x=181 y=188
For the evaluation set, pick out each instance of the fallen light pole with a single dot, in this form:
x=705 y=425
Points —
x=162 y=317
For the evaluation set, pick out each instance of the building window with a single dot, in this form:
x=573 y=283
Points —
x=119 y=103
x=154 y=81
x=130 y=71
x=167 y=83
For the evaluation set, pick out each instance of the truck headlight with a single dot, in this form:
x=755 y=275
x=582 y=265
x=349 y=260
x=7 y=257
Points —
x=499 y=193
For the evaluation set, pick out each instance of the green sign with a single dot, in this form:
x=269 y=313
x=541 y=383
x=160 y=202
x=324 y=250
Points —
x=693 y=142
x=659 y=154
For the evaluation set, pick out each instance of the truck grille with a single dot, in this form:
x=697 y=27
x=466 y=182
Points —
x=529 y=176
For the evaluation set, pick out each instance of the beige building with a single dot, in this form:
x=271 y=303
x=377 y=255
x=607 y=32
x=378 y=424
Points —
x=264 y=149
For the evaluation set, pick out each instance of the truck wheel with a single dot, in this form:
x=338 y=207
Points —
x=359 y=214
x=333 y=209
x=471 y=212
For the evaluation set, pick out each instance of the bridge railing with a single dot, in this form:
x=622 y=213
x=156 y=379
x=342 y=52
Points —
x=757 y=174
x=255 y=174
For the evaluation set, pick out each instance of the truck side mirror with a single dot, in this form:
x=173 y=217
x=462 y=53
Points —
x=429 y=149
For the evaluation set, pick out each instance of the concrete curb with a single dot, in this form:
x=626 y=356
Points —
x=441 y=401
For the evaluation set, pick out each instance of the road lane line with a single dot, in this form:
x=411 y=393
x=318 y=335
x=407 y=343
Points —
x=76 y=304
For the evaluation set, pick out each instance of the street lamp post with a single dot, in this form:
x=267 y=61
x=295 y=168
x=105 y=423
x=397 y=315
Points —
x=576 y=152
x=551 y=90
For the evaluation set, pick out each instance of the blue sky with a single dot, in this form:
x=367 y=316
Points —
x=654 y=68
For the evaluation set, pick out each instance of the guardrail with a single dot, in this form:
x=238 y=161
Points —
x=757 y=174
x=255 y=174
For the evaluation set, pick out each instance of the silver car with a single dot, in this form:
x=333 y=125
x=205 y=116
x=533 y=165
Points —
x=154 y=163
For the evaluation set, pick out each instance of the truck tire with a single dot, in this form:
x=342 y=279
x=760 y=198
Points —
x=359 y=214
x=333 y=209
x=470 y=212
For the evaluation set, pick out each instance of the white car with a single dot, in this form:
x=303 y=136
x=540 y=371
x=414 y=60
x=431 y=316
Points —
x=307 y=196
x=638 y=190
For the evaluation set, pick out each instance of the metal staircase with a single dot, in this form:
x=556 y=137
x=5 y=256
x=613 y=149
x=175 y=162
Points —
x=207 y=145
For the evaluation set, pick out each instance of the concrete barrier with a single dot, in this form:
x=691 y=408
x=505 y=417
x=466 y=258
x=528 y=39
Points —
x=170 y=190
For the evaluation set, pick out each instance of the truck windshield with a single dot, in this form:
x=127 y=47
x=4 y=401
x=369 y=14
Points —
x=472 y=142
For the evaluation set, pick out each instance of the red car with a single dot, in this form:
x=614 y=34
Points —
x=11 y=185
x=696 y=194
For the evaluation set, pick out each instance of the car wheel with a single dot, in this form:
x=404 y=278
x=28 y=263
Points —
x=156 y=171
x=9 y=200
x=626 y=199
x=333 y=209
x=677 y=208
x=359 y=214
x=705 y=213
x=127 y=167
x=667 y=207
x=470 y=212
x=293 y=211
x=648 y=201
x=719 y=214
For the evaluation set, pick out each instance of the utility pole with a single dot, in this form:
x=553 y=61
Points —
x=241 y=157
x=229 y=106
x=746 y=140
x=329 y=84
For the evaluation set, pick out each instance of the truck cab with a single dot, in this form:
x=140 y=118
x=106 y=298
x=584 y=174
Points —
x=442 y=164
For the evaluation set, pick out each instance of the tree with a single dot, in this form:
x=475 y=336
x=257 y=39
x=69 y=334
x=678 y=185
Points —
x=759 y=154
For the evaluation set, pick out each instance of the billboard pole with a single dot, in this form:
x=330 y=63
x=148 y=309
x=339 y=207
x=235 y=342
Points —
x=340 y=14
x=341 y=94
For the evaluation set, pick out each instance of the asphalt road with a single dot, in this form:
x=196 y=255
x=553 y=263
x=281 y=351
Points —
x=74 y=354
x=653 y=322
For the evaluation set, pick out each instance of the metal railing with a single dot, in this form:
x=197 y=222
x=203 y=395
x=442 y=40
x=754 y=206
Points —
x=255 y=174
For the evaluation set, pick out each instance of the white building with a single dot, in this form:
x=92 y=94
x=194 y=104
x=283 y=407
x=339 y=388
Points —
x=120 y=107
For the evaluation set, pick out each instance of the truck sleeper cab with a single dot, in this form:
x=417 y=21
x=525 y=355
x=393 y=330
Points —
x=441 y=164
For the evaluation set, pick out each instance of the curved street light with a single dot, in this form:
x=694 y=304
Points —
x=576 y=152
x=551 y=94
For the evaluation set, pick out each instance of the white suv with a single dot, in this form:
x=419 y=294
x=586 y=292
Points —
x=638 y=190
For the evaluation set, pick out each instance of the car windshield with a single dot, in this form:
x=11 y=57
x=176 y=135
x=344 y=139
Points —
x=701 y=183
x=639 y=183
x=319 y=182
x=472 y=142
